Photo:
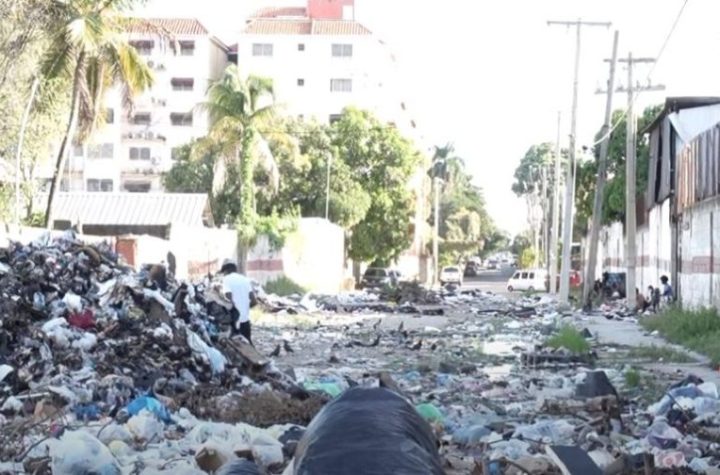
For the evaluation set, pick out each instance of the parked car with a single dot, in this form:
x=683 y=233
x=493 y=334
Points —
x=492 y=264
x=527 y=280
x=451 y=275
x=375 y=277
x=472 y=269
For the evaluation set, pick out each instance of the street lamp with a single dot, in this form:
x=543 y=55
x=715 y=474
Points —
x=328 y=157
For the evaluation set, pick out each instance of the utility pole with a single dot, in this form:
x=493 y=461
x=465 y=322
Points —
x=630 y=176
x=600 y=181
x=570 y=184
x=544 y=205
x=555 y=214
x=327 y=188
x=436 y=213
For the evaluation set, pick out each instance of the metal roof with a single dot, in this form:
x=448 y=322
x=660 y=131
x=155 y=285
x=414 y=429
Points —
x=674 y=104
x=176 y=26
x=133 y=209
x=271 y=26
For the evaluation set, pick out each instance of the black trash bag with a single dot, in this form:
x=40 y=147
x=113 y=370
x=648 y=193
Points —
x=596 y=384
x=368 y=431
x=239 y=467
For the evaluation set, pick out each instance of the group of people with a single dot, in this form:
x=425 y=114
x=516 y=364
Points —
x=656 y=296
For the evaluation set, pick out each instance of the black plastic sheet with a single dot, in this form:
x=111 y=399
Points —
x=239 y=467
x=368 y=431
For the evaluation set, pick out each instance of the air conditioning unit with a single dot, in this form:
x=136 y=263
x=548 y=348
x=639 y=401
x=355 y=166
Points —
x=161 y=137
x=155 y=161
x=149 y=135
x=151 y=64
x=129 y=135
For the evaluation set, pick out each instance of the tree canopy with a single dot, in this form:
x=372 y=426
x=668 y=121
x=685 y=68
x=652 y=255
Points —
x=614 y=195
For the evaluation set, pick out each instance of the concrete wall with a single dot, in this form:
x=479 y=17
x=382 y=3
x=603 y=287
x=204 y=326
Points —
x=653 y=243
x=198 y=251
x=313 y=256
x=699 y=251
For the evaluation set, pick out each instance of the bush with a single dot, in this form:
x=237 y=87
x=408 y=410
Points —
x=698 y=330
x=569 y=338
x=527 y=258
x=284 y=286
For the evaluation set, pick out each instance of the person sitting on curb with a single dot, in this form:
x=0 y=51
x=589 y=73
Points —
x=641 y=303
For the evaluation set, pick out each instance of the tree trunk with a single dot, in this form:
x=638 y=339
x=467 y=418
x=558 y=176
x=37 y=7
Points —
x=246 y=177
x=69 y=132
x=247 y=206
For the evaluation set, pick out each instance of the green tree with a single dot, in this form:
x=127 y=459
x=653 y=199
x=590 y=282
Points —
x=614 y=196
x=464 y=223
x=382 y=161
x=22 y=43
x=238 y=107
x=87 y=45
x=520 y=243
x=302 y=153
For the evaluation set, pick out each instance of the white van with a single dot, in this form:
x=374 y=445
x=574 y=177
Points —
x=528 y=280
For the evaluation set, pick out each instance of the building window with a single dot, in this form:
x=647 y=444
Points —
x=183 y=119
x=301 y=82
x=187 y=48
x=137 y=186
x=78 y=151
x=182 y=84
x=99 y=185
x=144 y=47
x=139 y=153
x=341 y=85
x=141 y=118
x=104 y=150
x=342 y=51
x=262 y=49
x=109 y=116
x=335 y=118
x=301 y=46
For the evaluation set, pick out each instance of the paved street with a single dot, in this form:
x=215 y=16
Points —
x=490 y=280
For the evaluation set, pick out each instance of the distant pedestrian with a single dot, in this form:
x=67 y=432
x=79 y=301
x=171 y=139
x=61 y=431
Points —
x=667 y=290
x=238 y=290
x=641 y=303
x=656 y=299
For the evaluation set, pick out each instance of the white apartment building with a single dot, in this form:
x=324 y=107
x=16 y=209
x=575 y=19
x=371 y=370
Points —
x=133 y=149
x=322 y=60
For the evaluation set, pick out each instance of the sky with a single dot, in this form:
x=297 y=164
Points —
x=491 y=76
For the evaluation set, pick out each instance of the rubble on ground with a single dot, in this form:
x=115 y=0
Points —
x=107 y=370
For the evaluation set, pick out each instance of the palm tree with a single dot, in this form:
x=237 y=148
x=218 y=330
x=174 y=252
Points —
x=88 y=45
x=238 y=109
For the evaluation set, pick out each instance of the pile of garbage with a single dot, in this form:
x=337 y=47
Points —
x=98 y=361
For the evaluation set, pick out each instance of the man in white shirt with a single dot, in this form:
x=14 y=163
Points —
x=238 y=290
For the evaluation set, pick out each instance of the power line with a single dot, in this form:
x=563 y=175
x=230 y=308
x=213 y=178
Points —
x=650 y=72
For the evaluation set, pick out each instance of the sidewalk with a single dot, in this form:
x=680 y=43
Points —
x=630 y=333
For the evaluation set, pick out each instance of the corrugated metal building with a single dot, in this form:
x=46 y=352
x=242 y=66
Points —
x=112 y=214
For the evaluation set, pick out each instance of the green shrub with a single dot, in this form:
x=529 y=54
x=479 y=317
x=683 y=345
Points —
x=632 y=378
x=698 y=330
x=568 y=337
x=284 y=286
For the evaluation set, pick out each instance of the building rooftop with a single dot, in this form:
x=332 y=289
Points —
x=264 y=26
x=175 y=26
x=133 y=209
x=280 y=12
x=674 y=104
